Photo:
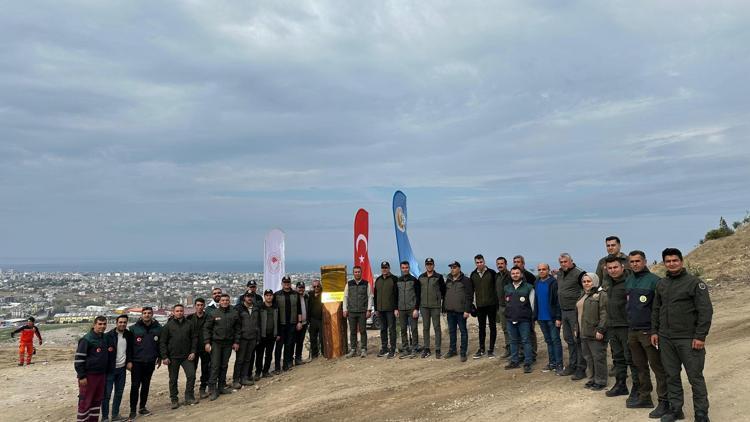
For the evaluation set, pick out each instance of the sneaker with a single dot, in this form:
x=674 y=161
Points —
x=598 y=387
x=548 y=367
x=104 y=420
x=236 y=385
x=382 y=353
x=351 y=353
x=214 y=395
x=175 y=404
x=589 y=384
x=491 y=354
x=118 y=418
x=247 y=381
x=144 y=411
x=438 y=355
x=463 y=358
x=404 y=354
x=391 y=355
x=131 y=416
x=506 y=353
x=640 y=404
x=363 y=353
x=426 y=353
x=450 y=354
x=203 y=394
x=478 y=354
x=527 y=369
x=512 y=365
x=559 y=371
x=568 y=371
x=189 y=401
x=266 y=375
x=257 y=376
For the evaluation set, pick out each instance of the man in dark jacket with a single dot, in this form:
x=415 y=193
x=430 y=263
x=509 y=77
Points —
x=91 y=364
x=249 y=330
x=612 y=243
x=502 y=278
x=221 y=335
x=483 y=280
x=680 y=322
x=520 y=262
x=640 y=287
x=549 y=317
x=432 y=291
x=569 y=291
x=198 y=319
x=315 y=318
x=409 y=296
x=146 y=358
x=386 y=306
x=459 y=297
x=357 y=309
x=290 y=321
x=519 y=314
x=618 y=331
x=269 y=328
x=178 y=343
x=120 y=347
x=299 y=335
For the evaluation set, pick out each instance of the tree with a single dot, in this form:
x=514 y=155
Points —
x=722 y=231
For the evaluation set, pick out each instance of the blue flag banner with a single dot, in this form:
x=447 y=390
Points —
x=402 y=239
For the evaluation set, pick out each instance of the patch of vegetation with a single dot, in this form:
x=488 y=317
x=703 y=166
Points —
x=723 y=230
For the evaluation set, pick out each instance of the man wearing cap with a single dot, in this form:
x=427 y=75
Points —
x=290 y=320
x=432 y=289
x=357 y=309
x=502 y=279
x=483 y=280
x=459 y=297
x=269 y=329
x=252 y=289
x=299 y=336
x=386 y=301
x=315 y=319
x=249 y=328
x=409 y=296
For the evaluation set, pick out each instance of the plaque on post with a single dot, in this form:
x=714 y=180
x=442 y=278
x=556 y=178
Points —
x=333 y=280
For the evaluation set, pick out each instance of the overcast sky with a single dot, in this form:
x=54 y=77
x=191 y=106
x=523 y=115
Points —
x=186 y=130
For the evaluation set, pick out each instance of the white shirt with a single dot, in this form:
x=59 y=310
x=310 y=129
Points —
x=122 y=345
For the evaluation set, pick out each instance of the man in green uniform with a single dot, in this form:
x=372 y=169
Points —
x=432 y=291
x=178 y=344
x=386 y=301
x=221 y=334
x=680 y=322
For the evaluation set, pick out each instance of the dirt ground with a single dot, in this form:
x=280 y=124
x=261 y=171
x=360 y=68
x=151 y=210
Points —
x=401 y=390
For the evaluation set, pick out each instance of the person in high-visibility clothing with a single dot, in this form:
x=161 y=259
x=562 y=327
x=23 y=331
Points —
x=26 y=345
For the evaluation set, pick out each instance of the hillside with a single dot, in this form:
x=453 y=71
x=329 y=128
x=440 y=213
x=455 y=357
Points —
x=720 y=260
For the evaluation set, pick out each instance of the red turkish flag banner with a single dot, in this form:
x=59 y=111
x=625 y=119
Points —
x=361 y=237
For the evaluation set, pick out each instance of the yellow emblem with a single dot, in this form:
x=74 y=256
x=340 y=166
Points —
x=643 y=299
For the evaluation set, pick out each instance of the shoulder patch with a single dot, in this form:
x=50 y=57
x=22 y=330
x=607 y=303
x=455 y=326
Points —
x=702 y=285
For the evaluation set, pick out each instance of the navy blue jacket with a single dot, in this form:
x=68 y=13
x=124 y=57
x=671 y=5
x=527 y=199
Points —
x=146 y=344
x=92 y=356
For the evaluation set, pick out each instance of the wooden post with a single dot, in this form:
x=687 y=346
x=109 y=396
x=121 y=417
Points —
x=333 y=280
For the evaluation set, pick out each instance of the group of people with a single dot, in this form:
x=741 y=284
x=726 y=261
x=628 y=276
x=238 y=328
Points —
x=257 y=328
x=651 y=323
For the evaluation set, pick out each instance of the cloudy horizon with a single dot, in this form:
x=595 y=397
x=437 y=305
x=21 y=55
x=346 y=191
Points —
x=186 y=130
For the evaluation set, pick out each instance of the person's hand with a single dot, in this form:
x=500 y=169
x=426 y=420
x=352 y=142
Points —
x=129 y=366
x=165 y=361
x=599 y=336
x=235 y=347
x=415 y=314
x=278 y=338
x=655 y=340
x=395 y=312
x=299 y=326
x=191 y=356
x=83 y=382
x=698 y=344
x=369 y=314
x=558 y=323
x=346 y=314
x=466 y=315
x=207 y=348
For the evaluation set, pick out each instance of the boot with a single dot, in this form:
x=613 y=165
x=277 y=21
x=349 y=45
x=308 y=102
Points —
x=189 y=399
x=351 y=353
x=236 y=385
x=646 y=403
x=202 y=393
x=247 y=381
x=363 y=353
x=383 y=351
x=506 y=353
x=426 y=353
x=619 y=389
x=213 y=394
x=579 y=375
x=661 y=409
x=175 y=404
x=438 y=354
x=701 y=417
x=673 y=415
x=633 y=397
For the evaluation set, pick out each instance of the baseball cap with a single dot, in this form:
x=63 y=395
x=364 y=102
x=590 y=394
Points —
x=286 y=279
x=455 y=264
x=429 y=261
x=252 y=283
x=300 y=284
x=385 y=264
x=268 y=292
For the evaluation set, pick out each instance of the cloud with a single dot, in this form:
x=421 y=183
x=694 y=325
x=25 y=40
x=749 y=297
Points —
x=208 y=122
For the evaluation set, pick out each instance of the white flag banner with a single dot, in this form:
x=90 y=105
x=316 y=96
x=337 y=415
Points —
x=273 y=264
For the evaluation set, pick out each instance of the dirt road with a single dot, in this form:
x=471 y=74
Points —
x=418 y=389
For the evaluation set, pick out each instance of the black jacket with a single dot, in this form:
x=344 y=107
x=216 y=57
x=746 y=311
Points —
x=146 y=344
x=249 y=322
x=92 y=356
x=222 y=326
x=178 y=339
x=682 y=307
